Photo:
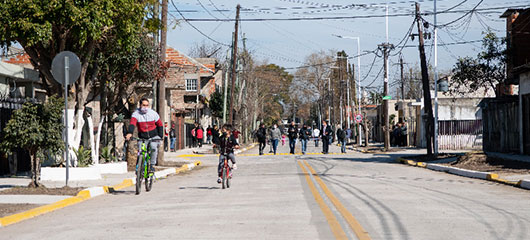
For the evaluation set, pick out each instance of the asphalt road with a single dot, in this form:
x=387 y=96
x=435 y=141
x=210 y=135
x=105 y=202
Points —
x=355 y=196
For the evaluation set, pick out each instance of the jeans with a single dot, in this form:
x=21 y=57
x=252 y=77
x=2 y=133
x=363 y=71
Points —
x=172 y=145
x=304 y=145
x=274 y=145
x=199 y=140
x=325 y=144
x=316 y=142
x=292 y=144
x=154 y=149
x=232 y=158
x=343 y=146
x=262 y=145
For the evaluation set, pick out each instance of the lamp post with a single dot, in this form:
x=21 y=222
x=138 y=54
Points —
x=358 y=78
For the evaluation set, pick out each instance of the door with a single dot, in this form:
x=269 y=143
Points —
x=526 y=124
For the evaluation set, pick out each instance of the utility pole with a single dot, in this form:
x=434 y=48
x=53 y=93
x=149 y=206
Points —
x=225 y=83
x=435 y=83
x=386 y=128
x=425 y=82
x=162 y=82
x=402 y=78
x=234 y=66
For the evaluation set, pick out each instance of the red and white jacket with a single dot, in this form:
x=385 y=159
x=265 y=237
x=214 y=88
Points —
x=149 y=124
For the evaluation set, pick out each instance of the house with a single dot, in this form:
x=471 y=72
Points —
x=507 y=119
x=189 y=85
x=17 y=84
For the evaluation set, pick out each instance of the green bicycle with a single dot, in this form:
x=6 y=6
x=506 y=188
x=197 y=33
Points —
x=143 y=165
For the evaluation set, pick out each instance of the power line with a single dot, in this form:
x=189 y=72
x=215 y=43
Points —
x=221 y=12
x=354 y=17
x=187 y=21
x=457 y=19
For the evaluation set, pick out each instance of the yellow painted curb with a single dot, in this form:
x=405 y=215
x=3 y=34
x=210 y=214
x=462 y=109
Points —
x=492 y=176
x=421 y=164
x=191 y=155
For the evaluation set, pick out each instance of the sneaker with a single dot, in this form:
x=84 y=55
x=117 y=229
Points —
x=234 y=166
x=219 y=180
x=151 y=169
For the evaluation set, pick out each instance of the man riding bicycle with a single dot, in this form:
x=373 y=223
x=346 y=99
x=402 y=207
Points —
x=149 y=128
x=227 y=144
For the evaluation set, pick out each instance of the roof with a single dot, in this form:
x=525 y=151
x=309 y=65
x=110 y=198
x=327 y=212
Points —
x=510 y=11
x=180 y=59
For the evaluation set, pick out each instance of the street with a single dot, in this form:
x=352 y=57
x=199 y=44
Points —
x=270 y=198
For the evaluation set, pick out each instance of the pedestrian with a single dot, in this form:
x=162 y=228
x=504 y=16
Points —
x=316 y=136
x=404 y=134
x=305 y=133
x=341 y=137
x=236 y=135
x=348 y=135
x=396 y=134
x=194 y=135
x=172 y=137
x=209 y=135
x=261 y=135
x=166 y=137
x=293 y=135
x=326 y=134
x=216 y=134
x=275 y=137
x=200 y=135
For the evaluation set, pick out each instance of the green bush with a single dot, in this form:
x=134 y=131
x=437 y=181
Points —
x=84 y=158
x=106 y=154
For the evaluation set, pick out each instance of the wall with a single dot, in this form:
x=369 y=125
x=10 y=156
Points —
x=459 y=109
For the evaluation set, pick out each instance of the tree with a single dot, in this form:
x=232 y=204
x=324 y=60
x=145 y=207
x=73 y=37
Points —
x=216 y=103
x=87 y=28
x=35 y=128
x=487 y=70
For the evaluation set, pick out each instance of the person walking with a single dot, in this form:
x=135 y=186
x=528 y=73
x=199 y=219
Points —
x=341 y=137
x=216 y=140
x=293 y=135
x=200 y=135
x=261 y=135
x=209 y=135
x=194 y=135
x=275 y=137
x=325 y=134
x=404 y=134
x=172 y=137
x=348 y=135
x=316 y=135
x=166 y=137
x=305 y=133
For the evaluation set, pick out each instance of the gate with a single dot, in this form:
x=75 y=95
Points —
x=460 y=135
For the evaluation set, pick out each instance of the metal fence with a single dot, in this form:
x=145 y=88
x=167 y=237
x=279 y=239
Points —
x=460 y=134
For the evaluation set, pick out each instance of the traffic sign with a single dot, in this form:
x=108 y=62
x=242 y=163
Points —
x=358 y=118
x=387 y=97
x=66 y=68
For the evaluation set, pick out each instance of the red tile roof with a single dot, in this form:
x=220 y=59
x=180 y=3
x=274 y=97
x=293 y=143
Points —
x=174 y=57
x=19 y=60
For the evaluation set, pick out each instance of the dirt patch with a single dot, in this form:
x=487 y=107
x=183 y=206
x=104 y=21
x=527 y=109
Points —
x=10 y=209
x=378 y=150
x=41 y=191
x=427 y=158
x=481 y=162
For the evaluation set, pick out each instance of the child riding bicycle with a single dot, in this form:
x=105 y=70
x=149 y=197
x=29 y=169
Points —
x=227 y=144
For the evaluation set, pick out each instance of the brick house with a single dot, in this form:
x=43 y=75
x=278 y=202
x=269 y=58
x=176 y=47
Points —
x=190 y=83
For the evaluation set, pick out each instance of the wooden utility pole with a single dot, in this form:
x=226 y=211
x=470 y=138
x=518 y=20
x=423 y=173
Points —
x=402 y=78
x=426 y=86
x=162 y=82
x=386 y=125
x=234 y=66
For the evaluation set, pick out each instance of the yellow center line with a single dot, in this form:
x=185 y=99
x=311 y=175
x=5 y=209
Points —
x=337 y=230
x=354 y=224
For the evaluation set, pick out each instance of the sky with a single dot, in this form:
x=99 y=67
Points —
x=288 y=42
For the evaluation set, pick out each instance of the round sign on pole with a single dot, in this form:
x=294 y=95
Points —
x=66 y=62
x=358 y=118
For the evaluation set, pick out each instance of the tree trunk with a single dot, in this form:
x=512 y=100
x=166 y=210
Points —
x=35 y=169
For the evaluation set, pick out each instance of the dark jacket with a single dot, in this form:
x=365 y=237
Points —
x=261 y=134
x=172 y=133
x=305 y=133
x=227 y=144
x=341 y=134
x=292 y=132
x=216 y=136
x=326 y=132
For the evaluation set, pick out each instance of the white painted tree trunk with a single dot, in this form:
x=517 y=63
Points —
x=98 y=137
x=93 y=151
x=74 y=133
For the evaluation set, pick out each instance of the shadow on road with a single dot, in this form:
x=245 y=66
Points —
x=201 y=188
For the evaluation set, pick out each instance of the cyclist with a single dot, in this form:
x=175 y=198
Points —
x=227 y=144
x=149 y=128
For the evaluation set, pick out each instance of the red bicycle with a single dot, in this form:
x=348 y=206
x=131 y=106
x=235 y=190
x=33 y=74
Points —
x=226 y=172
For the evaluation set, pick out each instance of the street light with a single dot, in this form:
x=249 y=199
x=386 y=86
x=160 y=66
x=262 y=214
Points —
x=358 y=79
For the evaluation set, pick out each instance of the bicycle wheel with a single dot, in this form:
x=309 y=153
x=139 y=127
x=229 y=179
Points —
x=139 y=175
x=225 y=178
x=149 y=180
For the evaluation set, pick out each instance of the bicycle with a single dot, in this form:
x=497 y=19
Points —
x=142 y=166
x=226 y=172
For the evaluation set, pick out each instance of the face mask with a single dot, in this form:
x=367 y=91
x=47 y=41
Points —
x=143 y=110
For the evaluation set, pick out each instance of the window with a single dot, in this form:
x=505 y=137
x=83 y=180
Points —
x=191 y=84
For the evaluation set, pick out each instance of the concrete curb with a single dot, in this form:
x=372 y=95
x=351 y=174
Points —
x=238 y=151
x=87 y=194
x=493 y=177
